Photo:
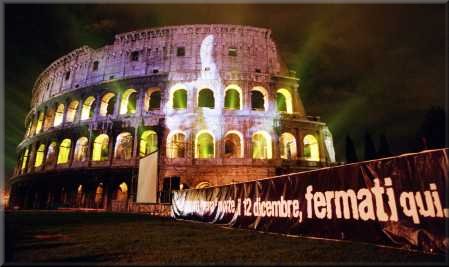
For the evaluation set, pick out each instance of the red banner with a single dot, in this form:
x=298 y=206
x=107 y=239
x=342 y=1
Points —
x=398 y=200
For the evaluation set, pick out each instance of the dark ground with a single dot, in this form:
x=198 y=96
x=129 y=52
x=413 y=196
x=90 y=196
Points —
x=70 y=237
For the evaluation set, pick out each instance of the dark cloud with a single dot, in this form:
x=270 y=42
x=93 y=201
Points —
x=375 y=67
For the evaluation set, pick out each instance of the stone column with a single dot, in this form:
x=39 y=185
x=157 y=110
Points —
x=117 y=105
x=97 y=107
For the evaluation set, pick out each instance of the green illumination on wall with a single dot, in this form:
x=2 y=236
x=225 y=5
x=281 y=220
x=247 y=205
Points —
x=232 y=99
x=311 y=150
x=87 y=110
x=180 y=99
x=205 y=146
x=128 y=104
x=148 y=143
x=261 y=145
x=281 y=103
x=206 y=98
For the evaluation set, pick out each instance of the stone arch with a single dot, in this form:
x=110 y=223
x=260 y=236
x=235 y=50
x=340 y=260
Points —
x=259 y=98
x=233 y=97
x=64 y=151
x=178 y=97
x=107 y=104
x=148 y=143
x=49 y=116
x=261 y=145
x=80 y=196
x=122 y=192
x=152 y=99
x=176 y=144
x=203 y=184
x=123 y=146
x=287 y=146
x=206 y=98
x=128 y=104
x=204 y=144
x=59 y=115
x=311 y=149
x=39 y=156
x=51 y=157
x=40 y=122
x=81 y=148
x=99 y=198
x=71 y=111
x=100 y=149
x=25 y=157
x=87 y=111
x=284 y=101
x=233 y=144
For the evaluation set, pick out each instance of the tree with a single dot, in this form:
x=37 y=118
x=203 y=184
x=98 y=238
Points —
x=351 y=155
x=369 y=148
x=384 y=147
x=432 y=132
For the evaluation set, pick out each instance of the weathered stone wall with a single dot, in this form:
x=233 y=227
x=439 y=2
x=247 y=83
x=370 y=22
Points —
x=157 y=51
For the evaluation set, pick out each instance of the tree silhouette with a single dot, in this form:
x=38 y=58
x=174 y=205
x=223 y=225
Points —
x=351 y=155
x=384 y=147
x=432 y=132
x=369 y=148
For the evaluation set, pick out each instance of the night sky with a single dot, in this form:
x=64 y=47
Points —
x=374 y=68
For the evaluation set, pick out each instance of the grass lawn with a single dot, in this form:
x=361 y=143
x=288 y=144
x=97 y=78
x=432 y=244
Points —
x=44 y=237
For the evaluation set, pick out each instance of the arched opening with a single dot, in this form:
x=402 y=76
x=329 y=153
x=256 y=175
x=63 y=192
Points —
x=122 y=192
x=311 y=150
x=100 y=150
x=40 y=155
x=59 y=116
x=261 y=145
x=29 y=128
x=152 y=100
x=79 y=196
x=99 y=196
x=107 y=104
x=87 y=111
x=51 y=154
x=40 y=121
x=81 y=147
x=64 y=151
x=176 y=145
x=205 y=145
x=129 y=100
x=287 y=147
x=202 y=185
x=148 y=143
x=71 y=111
x=206 y=98
x=233 y=97
x=259 y=99
x=49 y=117
x=25 y=159
x=180 y=99
x=233 y=143
x=123 y=146
x=284 y=101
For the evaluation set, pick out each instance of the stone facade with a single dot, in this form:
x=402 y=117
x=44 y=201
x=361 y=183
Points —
x=213 y=100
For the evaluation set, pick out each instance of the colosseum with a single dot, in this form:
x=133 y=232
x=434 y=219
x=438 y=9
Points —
x=215 y=103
